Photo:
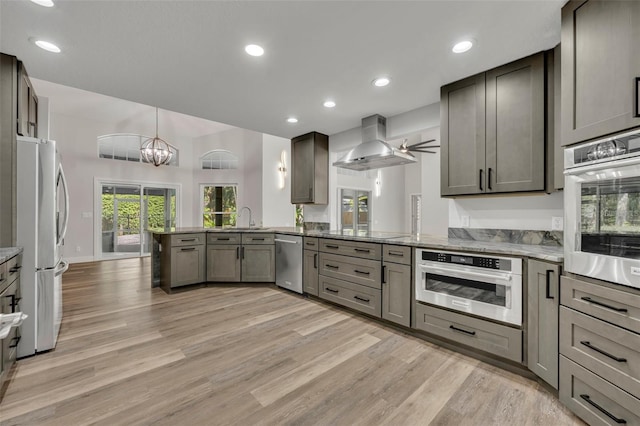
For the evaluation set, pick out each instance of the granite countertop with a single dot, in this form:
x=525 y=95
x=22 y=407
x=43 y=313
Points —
x=541 y=252
x=7 y=253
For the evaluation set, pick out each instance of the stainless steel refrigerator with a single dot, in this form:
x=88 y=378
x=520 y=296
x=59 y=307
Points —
x=43 y=216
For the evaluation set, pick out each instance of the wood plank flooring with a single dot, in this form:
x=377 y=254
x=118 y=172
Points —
x=245 y=355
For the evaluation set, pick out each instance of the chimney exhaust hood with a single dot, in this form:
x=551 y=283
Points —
x=374 y=152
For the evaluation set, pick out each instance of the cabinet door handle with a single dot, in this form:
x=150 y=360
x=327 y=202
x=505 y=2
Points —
x=480 y=180
x=315 y=260
x=607 y=354
x=359 y=250
x=15 y=269
x=331 y=290
x=331 y=266
x=189 y=239
x=362 y=299
x=489 y=179
x=188 y=249
x=605 y=412
x=17 y=340
x=332 y=246
x=548 y=284
x=361 y=272
x=604 y=305
x=242 y=252
x=471 y=333
x=237 y=252
x=384 y=276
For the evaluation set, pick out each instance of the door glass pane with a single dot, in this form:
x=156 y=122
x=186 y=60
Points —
x=159 y=213
x=363 y=210
x=120 y=219
x=347 y=209
x=610 y=217
x=416 y=201
x=493 y=294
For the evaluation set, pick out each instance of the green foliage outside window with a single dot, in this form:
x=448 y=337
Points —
x=129 y=212
x=220 y=207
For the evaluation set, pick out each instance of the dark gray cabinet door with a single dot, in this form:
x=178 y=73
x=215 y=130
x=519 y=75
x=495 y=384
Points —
x=258 y=263
x=27 y=104
x=515 y=130
x=600 y=62
x=187 y=265
x=223 y=263
x=310 y=169
x=543 y=284
x=462 y=137
x=310 y=272
x=396 y=293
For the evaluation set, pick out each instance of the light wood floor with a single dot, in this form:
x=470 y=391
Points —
x=129 y=354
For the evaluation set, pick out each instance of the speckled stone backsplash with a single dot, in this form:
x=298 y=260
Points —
x=316 y=226
x=517 y=236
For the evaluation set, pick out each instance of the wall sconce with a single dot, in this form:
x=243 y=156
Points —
x=282 y=169
x=379 y=183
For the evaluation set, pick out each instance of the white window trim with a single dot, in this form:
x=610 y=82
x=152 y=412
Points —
x=141 y=139
x=220 y=151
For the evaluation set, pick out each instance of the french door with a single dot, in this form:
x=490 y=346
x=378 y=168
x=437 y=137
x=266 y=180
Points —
x=130 y=213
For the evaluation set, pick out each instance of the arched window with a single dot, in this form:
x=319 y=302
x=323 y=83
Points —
x=219 y=159
x=126 y=147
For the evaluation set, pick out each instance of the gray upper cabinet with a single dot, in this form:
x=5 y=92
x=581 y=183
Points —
x=515 y=126
x=310 y=169
x=258 y=263
x=493 y=132
x=600 y=64
x=27 y=105
x=462 y=136
x=543 y=290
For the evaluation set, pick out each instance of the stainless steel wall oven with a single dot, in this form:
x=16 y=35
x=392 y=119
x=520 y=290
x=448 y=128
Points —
x=602 y=209
x=487 y=286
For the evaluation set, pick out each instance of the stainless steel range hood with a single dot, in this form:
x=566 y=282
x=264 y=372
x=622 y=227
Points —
x=374 y=152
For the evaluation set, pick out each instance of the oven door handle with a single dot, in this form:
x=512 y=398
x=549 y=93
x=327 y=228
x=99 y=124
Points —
x=467 y=274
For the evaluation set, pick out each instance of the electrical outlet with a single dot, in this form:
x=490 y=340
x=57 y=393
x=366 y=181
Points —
x=557 y=223
x=465 y=221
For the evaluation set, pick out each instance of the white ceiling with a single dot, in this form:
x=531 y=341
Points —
x=187 y=56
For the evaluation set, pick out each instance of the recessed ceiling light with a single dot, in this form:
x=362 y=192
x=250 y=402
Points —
x=381 y=81
x=462 y=46
x=292 y=120
x=329 y=104
x=254 y=50
x=45 y=3
x=47 y=45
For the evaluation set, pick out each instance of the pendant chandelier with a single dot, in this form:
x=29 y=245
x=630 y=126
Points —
x=155 y=150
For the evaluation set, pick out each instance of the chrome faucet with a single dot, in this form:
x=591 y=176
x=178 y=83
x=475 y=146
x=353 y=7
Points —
x=240 y=215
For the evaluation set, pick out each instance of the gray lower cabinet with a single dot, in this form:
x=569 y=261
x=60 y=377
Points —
x=396 y=284
x=310 y=272
x=487 y=336
x=359 y=297
x=258 y=263
x=600 y=64
x=493 y=133
x=223 y=263
x=187 y=265
x=9 y=303
x=543 y=290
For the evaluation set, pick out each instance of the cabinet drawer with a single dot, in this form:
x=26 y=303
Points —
x=223 y=238
x=351 y=248
x=258 y=238
x=360 y=271
x=612 y=305
x=609 y=351
x=4 y=282
x=595 y=400
x=179 y=240
x=358 y=297
x=311 y=243
x=13 y=266
x=396 y=254
x=484 y=335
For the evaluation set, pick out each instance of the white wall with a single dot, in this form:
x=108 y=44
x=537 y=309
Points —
x=277 y=209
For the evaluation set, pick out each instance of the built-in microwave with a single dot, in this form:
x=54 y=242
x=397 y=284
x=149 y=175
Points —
x=602 y=209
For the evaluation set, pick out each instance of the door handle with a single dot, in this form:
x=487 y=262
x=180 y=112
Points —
x=548 y=289
x=315 y=260
x=605 y=412
x=237 y=252
x=471 y=333
x=384 y=277
x=15 y=269
x=361 y=272
x=604 y=305
x=489 y=179
x=480 y=180
x=188 y=249
x=242 y=252
x=362 y=299
x=605 y=353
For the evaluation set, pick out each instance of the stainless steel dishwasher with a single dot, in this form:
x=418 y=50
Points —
x=289 y=262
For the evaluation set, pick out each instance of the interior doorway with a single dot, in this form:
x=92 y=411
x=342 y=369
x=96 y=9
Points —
x=355 y=210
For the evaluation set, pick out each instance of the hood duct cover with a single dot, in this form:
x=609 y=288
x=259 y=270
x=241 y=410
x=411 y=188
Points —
x=374 y=152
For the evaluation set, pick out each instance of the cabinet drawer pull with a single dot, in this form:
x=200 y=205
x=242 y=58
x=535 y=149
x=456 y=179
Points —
x=17 y=340
x=257 y=239
x=188 y=249
x=223 y=239
x=315 y=260
x=331 y=290
x=396 y=253
x=331 y=266
x=548 y=289
x=613 y=357
x=489 y=179
x=604 y=305
x=359 y=250
x=188 y=239
x=605 y=412
x=15 y=269
x=309 y=243
x=471 y=333
x=361 y=272
x=332 y=246
x=362 y=299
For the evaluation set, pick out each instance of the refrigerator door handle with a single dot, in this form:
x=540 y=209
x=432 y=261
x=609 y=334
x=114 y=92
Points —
x=61 y=269
x=63 y=232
